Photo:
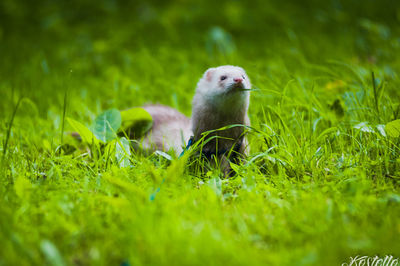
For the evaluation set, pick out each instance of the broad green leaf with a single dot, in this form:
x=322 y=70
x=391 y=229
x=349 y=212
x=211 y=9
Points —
x=393 y=128
x=85 y=133
x=51 y=253
x=106 y=125
x=123 y=152
x=136 y=122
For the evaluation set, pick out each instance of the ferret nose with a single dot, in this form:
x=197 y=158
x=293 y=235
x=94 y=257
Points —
x=238 y=80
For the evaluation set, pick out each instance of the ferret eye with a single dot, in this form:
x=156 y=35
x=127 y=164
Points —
x=223 y=77
x=243 y=77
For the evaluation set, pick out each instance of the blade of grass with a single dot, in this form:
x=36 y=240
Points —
x=10 y=124
x=63 y=118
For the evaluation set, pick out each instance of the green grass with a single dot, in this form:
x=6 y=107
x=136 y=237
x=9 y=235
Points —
x=321 y=184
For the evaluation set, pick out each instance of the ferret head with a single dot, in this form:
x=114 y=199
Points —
x=224 y=80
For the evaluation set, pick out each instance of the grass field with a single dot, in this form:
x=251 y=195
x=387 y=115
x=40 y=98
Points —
x=321 y=184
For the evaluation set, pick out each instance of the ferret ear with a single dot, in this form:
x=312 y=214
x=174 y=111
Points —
x=209 y=74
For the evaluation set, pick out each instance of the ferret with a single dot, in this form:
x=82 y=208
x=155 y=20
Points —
x=171 y=130
x=221 y=99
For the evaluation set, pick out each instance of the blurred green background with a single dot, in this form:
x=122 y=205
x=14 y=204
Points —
x=108 y=49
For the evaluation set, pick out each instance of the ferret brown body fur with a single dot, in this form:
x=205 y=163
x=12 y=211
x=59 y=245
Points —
x=171 y=129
